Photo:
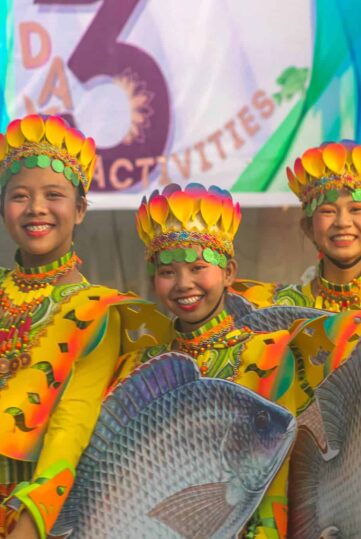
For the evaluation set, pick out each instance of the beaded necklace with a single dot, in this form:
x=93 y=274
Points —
x=339 y=297
x=216 y=334
x=38 y=277
x=24 y=294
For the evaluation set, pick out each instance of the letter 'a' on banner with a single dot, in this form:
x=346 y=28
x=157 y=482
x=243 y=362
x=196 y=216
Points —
x=217 y=93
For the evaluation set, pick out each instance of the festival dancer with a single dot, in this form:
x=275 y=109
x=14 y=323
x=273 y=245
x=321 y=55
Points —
x=189 y=247
x=60 y=336
x=327 y=180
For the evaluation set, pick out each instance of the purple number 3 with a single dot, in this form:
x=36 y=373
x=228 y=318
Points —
x=98 y=53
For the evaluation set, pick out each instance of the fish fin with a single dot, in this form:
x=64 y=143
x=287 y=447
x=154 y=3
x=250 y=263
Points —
x=195 y=512
x=306 y=469
x=337 y=395
x=330 y=533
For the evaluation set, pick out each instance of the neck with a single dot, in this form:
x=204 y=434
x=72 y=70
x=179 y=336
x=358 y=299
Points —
x=339 y=275
x=27 y=260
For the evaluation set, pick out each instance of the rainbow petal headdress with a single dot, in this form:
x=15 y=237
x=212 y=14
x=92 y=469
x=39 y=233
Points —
x=176 y=219
x=321 y=173
x=46 y=141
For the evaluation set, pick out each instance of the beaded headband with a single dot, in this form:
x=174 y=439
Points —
x=321 y=173
x=46 y=141
x=172 y=222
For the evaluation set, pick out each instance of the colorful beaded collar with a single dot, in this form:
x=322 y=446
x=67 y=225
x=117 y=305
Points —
x=220 y=332
x=28 y=279
x=339 y=297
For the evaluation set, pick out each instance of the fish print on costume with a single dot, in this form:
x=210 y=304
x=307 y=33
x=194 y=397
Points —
x=176 y=456
x=326 y=481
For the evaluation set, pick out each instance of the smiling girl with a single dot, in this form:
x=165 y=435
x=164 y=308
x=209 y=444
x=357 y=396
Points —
x=327 y=181
x=188 y=236
x=60 y=336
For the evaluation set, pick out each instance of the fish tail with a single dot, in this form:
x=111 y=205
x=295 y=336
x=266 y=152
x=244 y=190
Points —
x=306 y=468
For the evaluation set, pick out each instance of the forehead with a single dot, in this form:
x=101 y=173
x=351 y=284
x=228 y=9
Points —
x=39 y=178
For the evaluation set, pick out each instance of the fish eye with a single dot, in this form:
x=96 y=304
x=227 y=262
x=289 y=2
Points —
x=262 y=420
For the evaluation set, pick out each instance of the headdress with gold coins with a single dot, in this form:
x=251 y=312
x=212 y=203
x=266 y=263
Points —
x=173 y=221
x=46 y=141
x=321 y=173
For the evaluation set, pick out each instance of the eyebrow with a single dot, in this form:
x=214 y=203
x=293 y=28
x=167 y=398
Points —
x=47 y=186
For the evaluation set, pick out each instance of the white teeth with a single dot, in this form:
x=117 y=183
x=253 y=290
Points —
x=189 y=301
x=37 y=228
x=343 y=238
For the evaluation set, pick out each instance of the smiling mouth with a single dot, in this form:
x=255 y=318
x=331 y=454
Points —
x=38 y=228
x=191 y=300
x=343 y=237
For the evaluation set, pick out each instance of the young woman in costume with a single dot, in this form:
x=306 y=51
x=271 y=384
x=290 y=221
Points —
x=60 y=336
x=327 y=181
x=189 y=247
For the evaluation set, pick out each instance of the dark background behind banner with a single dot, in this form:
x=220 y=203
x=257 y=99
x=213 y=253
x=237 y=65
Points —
x=270 y=246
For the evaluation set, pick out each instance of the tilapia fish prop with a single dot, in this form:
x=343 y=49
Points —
x=325 y=485
x=176 y=456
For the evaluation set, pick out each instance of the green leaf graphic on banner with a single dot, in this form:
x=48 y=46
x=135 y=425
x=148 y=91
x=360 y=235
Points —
x=334 y=53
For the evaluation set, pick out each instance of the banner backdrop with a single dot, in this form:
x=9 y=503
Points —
x=215 y=92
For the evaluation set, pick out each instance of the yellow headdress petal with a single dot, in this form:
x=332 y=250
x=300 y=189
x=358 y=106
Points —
x=227 y=213
x=144 y=237
x=334 y=156
x=312 y=162
x=181 y=205
x=74 y=141
x=14 y=134
x=211 y=209
x=300 y=171
x=159 y=210
x=292 y=181
x=3 y=147
x=356 y=158
x=237 y=217
x=33 y=127
x=87 y=152
x=55 y=130
x=144 y=219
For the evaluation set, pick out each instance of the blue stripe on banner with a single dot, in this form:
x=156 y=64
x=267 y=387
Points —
x=6 y=62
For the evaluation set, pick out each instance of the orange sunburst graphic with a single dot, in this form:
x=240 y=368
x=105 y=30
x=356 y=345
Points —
x=140 y=99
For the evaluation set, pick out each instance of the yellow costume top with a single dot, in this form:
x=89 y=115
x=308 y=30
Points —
x=58 y=349
x=284 y=366
x=319 y=294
